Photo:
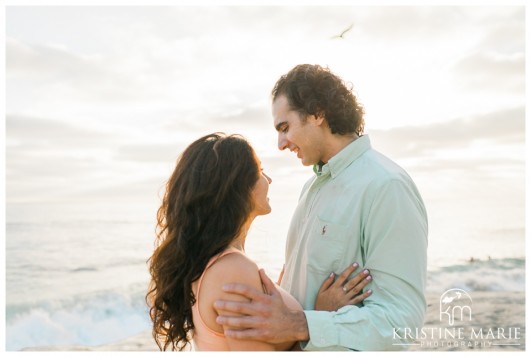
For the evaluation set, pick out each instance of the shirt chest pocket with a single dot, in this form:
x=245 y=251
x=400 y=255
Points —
x=325 y=246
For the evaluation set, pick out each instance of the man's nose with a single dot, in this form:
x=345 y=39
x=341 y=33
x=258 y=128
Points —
x=282 y=142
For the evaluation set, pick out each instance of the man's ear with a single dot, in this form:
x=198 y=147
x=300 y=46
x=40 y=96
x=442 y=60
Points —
x=317 y=119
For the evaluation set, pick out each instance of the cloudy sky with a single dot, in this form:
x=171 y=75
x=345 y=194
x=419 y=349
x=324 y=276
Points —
x=101 y=100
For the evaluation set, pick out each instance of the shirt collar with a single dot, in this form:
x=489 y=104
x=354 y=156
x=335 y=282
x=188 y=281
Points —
x=344 y=158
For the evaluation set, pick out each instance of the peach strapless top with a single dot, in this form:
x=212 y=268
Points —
x=206 y=339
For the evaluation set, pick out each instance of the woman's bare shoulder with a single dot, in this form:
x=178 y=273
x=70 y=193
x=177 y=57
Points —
x=231 y=268
x=235 y=268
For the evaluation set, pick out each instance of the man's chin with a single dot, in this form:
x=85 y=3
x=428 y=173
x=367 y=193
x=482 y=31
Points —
x=306 y=163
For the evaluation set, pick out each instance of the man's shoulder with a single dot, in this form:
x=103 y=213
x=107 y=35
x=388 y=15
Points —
x=374 y=167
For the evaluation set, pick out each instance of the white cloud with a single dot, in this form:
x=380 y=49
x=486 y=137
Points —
x=491 y=72
x=498 y=127
x=53 y=133
x=128 y=87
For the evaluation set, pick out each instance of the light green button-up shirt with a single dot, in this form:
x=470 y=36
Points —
x=360 y=207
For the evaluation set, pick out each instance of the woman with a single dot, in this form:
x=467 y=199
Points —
x=211 y=199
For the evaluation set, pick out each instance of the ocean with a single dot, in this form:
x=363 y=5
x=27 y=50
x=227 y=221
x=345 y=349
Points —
x=76 y=273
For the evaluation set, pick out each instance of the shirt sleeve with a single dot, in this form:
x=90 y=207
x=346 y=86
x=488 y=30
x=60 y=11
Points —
x=394 y=244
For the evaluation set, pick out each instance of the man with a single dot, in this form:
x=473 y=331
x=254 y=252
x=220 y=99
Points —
x=358 y=207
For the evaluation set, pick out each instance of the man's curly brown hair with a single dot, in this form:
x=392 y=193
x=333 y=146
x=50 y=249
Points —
x=314 y=90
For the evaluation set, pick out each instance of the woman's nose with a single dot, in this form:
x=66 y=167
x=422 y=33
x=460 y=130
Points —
x=268 y=179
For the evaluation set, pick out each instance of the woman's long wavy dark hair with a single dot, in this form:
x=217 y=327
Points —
x=207 y=203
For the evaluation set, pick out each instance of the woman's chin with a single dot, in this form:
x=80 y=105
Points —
x=265 y=211
x=262 y=211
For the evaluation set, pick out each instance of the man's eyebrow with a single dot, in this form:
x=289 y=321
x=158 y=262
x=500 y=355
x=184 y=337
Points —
x=280 y=125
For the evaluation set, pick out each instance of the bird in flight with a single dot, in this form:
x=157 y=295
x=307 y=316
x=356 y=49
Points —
x=344 y=32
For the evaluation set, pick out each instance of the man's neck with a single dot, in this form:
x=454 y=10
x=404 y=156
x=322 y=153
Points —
x=336 y=143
